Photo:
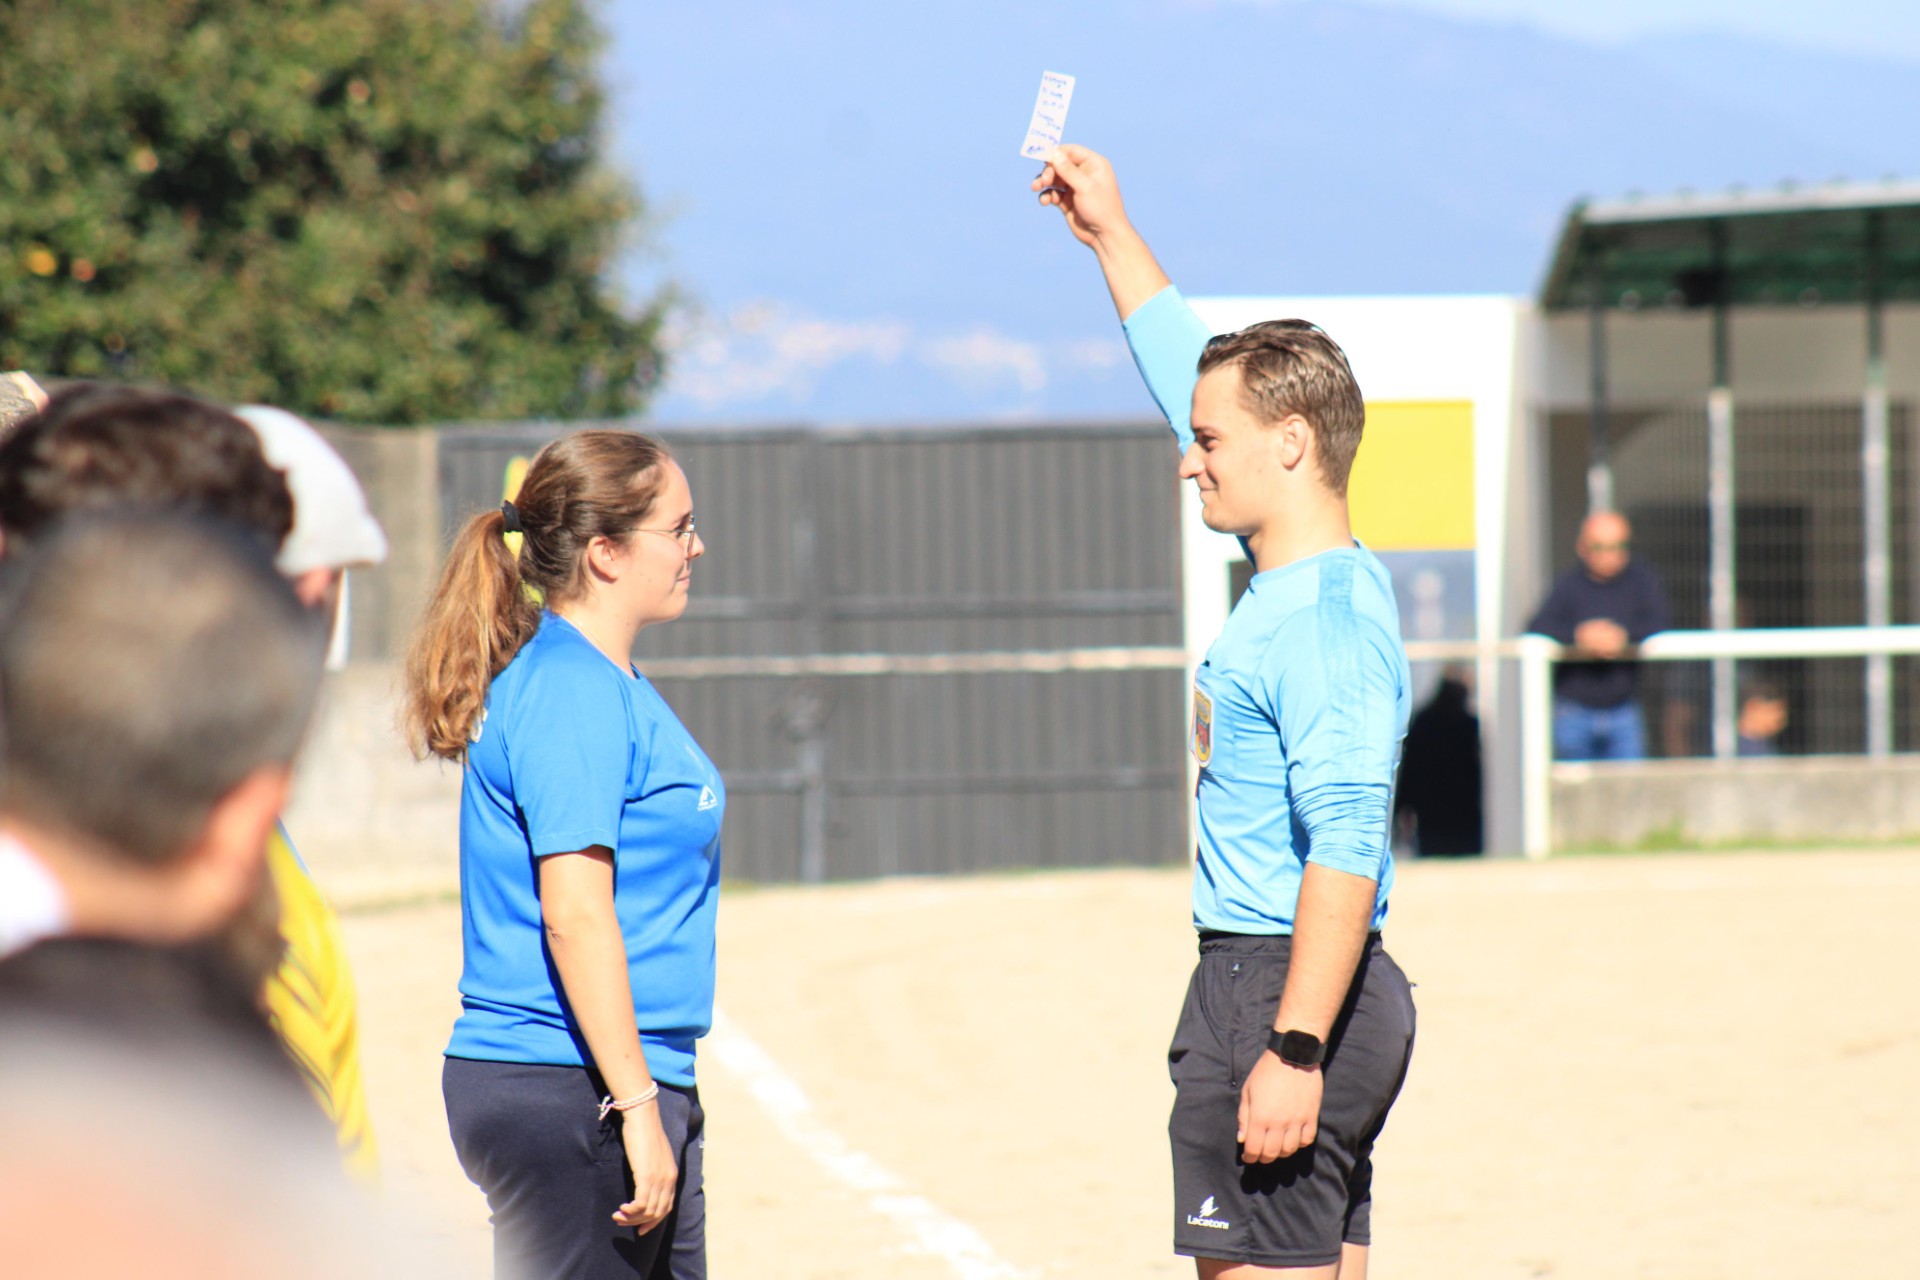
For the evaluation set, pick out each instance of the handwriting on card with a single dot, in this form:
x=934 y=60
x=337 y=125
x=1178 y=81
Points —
x=1049 y=116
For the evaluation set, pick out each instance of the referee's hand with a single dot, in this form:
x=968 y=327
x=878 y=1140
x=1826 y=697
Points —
x=1080 y=183
x=655 y=1175
x=1279 y=1110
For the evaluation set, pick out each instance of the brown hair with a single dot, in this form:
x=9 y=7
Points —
x=1291 y=366
x=587 y=485
x=97 y=447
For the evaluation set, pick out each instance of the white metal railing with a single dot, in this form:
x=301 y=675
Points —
x=990 y=662
x=1536 y=655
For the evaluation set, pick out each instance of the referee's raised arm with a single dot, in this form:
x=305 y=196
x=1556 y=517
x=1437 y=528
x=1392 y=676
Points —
x=1080 y=183
x=1164 y=334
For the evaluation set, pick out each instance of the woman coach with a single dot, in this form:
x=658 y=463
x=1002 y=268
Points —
x=589 y=865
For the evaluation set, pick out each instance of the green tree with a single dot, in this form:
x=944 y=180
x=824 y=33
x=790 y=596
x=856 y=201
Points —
x=383 y=211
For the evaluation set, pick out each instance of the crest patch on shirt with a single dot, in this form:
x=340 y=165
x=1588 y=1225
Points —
x=1202 y=726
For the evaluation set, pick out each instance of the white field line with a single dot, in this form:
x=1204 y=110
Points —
x=931 y=1229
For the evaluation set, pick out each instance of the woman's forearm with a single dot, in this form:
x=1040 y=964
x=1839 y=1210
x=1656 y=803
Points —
x=590 y=954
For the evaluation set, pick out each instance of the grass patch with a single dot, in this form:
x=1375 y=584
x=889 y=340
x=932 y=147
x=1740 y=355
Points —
x=1674 y=840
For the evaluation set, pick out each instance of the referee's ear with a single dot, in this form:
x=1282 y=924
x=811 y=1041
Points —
x=213 y=879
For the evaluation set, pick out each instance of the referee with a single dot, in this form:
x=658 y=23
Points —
x=1298 y=1026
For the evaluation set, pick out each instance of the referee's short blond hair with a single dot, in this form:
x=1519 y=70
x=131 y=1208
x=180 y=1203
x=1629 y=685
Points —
x=1292 y=367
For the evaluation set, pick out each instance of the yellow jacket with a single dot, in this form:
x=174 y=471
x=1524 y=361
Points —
x=311 y=1002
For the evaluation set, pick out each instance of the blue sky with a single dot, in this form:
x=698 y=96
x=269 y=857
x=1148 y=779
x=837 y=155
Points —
x=1883 y=28
x=838 y=198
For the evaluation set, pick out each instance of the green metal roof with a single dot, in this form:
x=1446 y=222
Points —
x=1808 y=246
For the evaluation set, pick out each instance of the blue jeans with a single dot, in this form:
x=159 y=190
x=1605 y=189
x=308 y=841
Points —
x=1608 y=733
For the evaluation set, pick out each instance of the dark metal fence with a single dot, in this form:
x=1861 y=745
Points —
x=916 y=651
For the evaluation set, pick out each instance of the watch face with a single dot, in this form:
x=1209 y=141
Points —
x=1300 y=1048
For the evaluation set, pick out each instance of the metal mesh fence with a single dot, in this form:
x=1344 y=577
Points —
x=1799 y=555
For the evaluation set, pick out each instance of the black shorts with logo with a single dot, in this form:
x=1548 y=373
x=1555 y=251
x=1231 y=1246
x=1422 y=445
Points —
x=1295 y=1212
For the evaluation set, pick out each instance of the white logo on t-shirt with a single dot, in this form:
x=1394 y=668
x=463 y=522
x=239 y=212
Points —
x=708 y=800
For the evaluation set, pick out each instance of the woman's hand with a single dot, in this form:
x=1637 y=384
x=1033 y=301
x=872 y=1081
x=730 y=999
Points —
x=655 y=1174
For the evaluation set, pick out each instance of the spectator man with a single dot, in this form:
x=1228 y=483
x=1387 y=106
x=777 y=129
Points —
x=1601 y=607
x=101 y=447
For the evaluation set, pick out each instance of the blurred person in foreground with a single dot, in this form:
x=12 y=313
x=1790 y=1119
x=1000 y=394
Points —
x=1602 y=606
x=102 y=448
x=589 y=865
x=1298 y=1026
x=156 y=679
x=186 y=1164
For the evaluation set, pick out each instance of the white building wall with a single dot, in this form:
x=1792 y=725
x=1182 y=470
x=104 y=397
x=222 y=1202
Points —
x=1777 y=353
x=1482 y=349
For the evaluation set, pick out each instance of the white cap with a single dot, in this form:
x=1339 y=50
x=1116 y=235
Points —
x=332 y=527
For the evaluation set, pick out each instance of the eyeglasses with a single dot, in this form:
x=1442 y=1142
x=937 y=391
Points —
x=1621 y=545
x=683 y=535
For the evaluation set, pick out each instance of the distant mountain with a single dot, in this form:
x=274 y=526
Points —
x=848 y=210
x=1868 y=107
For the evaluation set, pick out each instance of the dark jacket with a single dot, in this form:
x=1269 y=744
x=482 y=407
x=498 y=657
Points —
x=1633 y=598
x=1440 y=778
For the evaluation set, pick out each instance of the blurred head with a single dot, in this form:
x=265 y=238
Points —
x=20 y=398
x=103 y=448
x=156 y=678
x=333 y=529
x=1605 y=544
x=607 y=518
x=1763 y=711
x=1274 y=400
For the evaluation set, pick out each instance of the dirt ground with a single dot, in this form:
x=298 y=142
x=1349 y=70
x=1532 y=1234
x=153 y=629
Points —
x=1691 y=1067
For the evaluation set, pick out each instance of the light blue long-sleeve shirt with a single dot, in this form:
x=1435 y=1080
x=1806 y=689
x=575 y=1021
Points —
x=1300 y=707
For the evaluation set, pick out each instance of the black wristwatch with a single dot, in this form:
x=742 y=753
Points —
x=1297 y=1048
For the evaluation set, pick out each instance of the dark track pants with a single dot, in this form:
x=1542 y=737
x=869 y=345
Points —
x=554 y=1174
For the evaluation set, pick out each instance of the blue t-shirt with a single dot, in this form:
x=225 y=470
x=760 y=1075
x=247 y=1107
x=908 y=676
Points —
x=1299 y=709
x=573 y=751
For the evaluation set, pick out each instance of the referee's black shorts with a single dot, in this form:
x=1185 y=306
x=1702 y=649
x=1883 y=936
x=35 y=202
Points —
x=1295 y=1212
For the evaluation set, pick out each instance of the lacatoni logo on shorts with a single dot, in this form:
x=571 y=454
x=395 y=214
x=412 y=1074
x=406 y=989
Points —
x=1205 y=1217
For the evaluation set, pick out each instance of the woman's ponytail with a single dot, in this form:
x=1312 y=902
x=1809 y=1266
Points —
x=475 y=621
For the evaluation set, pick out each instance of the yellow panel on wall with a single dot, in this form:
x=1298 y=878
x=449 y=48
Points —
x=1412 y=483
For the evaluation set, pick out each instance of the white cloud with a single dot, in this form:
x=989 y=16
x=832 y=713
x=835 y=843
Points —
x=773 y=351
x=1098 y=355
x=985 y=355
x=767 y=349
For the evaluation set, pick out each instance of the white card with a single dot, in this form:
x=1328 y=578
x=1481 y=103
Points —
x=1049 y=116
